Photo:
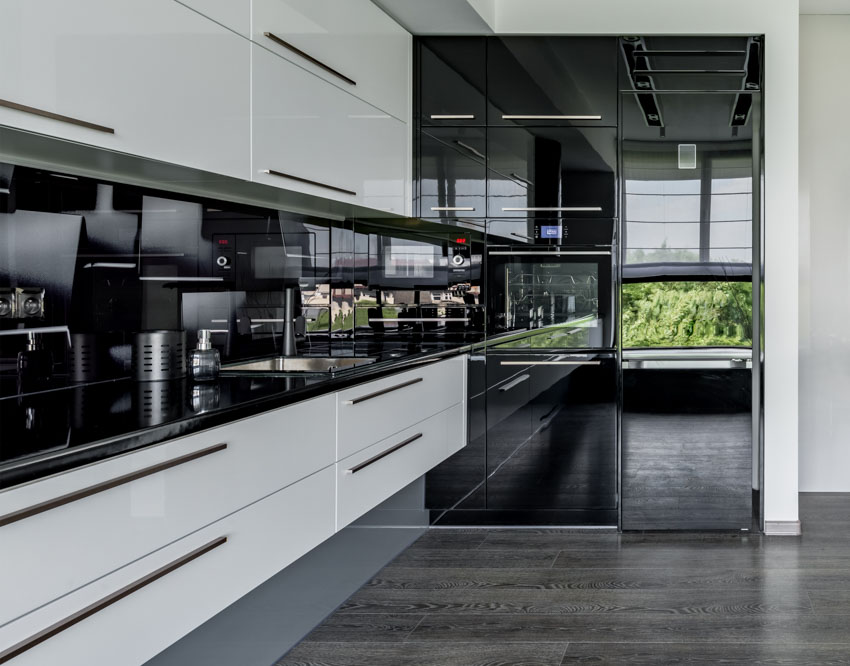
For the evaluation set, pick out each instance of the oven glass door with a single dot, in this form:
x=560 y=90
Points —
x=560 y=298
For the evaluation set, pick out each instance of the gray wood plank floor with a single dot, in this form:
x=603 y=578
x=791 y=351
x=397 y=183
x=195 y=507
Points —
x=557 y=597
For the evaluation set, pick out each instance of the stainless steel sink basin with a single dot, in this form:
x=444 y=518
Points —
x=299 y=364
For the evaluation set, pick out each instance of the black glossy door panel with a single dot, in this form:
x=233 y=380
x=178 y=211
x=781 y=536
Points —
x=452 y=79
x=552 y=80
x=562 y=451
x=452 y=172
x=552 y=171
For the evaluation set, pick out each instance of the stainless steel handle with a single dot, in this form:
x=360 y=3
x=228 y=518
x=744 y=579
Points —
x=452 y=116
x=544 y=253
x=56 y=116
x=88 y=611
x=88 y=491
x=562 y=209
x=471 y=150
x=404 y=319
x=383 y=454
x=452 y=208
x=307 y=56
x=524 y=363
x=513 y=383
x=376 y=394
x=272 y=172
x=550 y=117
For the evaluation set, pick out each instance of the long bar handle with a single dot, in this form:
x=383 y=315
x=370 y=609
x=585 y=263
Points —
x=544 y=253
x=545 y=117
x=524 y=363
x=56 y=116
x=106 y=485
x=383 y=454
x=376 y=394
x=450 y=208
x=272 y=172
x=428 y=319
x=452 y=116
x=88 y=611
x=516 y=382
x=556 y=209
x=307 y=56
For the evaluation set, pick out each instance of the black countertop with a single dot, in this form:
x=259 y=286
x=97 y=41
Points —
x=68 y=426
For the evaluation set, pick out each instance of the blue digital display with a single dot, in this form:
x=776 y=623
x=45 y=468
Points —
x=550 y=231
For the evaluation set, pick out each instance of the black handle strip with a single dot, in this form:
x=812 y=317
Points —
x=307 y=56
x=106 y=485
x=383 y=454
x=309 y=182
x=88 y=611
x=55 y=116
x=376 y=394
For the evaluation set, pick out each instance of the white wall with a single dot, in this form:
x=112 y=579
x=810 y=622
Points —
x=824 y=254
x=778 y=20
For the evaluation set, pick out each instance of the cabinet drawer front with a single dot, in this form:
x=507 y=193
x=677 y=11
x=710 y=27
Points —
x=352 y=44
x=371 y=412
x=107 y=527
x=261 y=540
x=370 y=476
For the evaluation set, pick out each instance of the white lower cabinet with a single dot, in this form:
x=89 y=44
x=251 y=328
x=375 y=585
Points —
x=261 y=540
x=153 y=78
x=312 y=137
x=59 y=550
x=370 y=476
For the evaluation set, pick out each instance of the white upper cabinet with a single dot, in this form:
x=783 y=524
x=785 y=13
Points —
x=233 y=14
x=349 y=43
x=151 y=78
x=312 y=137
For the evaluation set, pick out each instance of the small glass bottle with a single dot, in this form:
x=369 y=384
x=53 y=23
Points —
x=35 y=363
x=204 y=362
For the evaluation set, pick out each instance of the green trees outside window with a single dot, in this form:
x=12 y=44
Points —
x=687 y=314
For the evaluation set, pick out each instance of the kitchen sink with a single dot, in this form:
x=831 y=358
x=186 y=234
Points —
x=299 y=364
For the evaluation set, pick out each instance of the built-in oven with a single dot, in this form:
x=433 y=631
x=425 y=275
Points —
x=553 y=279
x=263 y=261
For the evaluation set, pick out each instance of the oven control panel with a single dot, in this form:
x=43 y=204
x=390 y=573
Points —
x=224 y=256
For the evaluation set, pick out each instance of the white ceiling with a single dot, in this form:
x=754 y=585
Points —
x=825 y=6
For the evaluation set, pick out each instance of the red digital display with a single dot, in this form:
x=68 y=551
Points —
x=460 y=240
x=223 y=241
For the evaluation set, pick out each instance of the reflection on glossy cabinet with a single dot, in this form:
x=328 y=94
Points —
x=552 y=80
x=352 y=44
x=233 y=14
x=154 y=79
x=561 y=171
x=311 y=137
x=452 y=172
x=452 y=81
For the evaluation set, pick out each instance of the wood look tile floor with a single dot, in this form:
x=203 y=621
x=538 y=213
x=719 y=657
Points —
x=557 y=597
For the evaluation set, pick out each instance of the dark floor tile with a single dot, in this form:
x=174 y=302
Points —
x=340 y=628
x=615 y=654
x=425 y=654
x=693 y=577
x=626 y=628
x=568 y=601
x=830 y=601
x=449 y=540
x=453 y=558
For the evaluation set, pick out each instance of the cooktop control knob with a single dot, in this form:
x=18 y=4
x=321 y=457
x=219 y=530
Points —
x=458 y=259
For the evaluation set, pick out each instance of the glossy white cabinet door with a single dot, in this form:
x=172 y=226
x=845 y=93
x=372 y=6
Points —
x=325 y=141
x=375 y=410
x=173 y=85
x=352 y=37
x=233 y=14
x=262 y=539
x=52 y=553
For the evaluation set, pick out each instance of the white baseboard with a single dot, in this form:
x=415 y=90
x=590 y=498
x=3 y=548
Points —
x=782 y=528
